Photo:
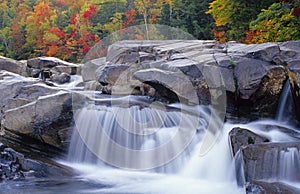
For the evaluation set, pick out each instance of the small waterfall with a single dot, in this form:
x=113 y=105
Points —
x=152 y=137
x=289 y=164
x=165 y=141
x=42 y=75
x=285 y=109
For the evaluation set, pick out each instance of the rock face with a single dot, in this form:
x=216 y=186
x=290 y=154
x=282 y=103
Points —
x=61 y=78
x=271 y=161
x=28 y=161
x=12 y=66
x=240 y=137
x=42 y=118
x=88 y=70
x=51 y=68
x=251 y=75
x=260 y=187
x=31 y=107
x=257 y=159
x=166 y=82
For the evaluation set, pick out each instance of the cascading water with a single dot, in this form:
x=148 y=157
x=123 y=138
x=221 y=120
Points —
x=285 y=109
x=289 y=165
x=163 y=146
x=168 y=141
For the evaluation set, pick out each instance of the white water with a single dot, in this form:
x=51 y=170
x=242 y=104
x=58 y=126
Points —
x=179 y=168
x=285 y=106
x=145 y=129
x=289 y=164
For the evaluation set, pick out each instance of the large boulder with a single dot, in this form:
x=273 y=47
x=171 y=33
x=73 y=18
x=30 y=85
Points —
x=167 y=84
x=19 y=161
x=49 y=62
x=118 y=79
x=261 y=187
x=12 y=66
x=29 y=106
x=240 y=137
x=273 y=161
x=18 y=90
x=42 y=118
x=49 y=67
x=88 y=69
x=252 y=75
x=265 y=52
x=61 y=78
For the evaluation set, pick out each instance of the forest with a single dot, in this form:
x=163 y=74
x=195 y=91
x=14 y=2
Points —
x=68 y=29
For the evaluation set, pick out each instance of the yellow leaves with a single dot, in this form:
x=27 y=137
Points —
x=149 y=7
x=115 y=24
x=50 y=38
x=275 y=25
x=222 y=10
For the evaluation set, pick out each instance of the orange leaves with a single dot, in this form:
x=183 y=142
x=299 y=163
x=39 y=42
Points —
x=53 y=50
x=220 y=35
x=130 y=18
x=55 y=30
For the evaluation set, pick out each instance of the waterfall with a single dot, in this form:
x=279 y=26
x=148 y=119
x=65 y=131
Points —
x=289 y=165
x=285 y=109
x=162 y=152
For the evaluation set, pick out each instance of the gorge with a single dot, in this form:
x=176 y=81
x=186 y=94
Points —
x=163 y=116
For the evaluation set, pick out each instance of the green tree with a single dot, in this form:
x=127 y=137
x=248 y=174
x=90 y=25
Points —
x=275 y=24
x=189 y=15
x=233 y=16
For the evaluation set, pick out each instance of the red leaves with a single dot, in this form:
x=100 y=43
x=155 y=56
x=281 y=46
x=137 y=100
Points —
x=86 y=49
x=296 y=11
x=73 y=19
x=93 y=9
x=90 y=12
x=87 y=14
x=61 y=3
x=130 y=18
x=55 y=30
x=295 y=4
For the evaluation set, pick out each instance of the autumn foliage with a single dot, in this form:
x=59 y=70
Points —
x=68 y=29
x=256 y=21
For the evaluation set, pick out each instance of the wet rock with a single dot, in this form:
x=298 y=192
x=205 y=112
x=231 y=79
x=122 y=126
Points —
x=12 y=66
x=42 y=118
x=252 y=75
x=110 y=74
x=271 y=161
x=166 y=83
x=31 y=107
x=47 y=62
x=17 y=90
x=294 y=79
x=265 y=52
x=88 y=70
x=249 y=74
x=70 y=69
x=127 y=52
x=10 y=85
x=118 y=79
x=26 y=161
x=49 y=66
x=260 y=187
x=266 y=98
x=240 y=137
x=60 y=78
x=93 y=85
x=289 y=52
